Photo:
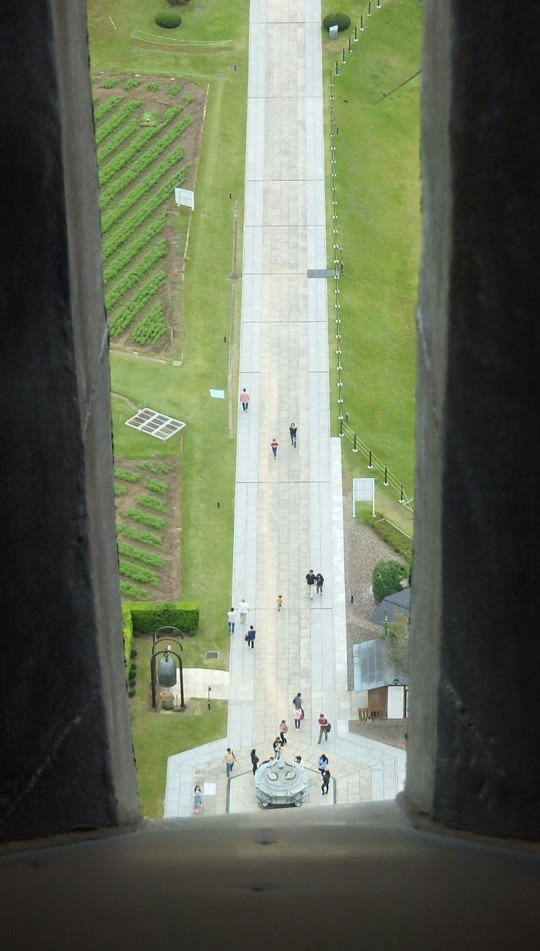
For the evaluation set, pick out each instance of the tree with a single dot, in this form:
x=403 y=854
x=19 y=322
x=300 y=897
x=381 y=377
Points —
x=396 y=636
x=386 y=578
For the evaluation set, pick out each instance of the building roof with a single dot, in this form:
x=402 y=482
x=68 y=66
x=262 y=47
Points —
x=399 y=602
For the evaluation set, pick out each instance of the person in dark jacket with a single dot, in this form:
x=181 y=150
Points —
x=254 y=761
x=325 y=782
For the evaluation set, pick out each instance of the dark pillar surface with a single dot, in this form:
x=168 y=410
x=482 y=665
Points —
x=473 y=759
x=66 y=755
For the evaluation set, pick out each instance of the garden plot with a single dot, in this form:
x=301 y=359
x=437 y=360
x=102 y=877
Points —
x=148 y=528
x=148 y=134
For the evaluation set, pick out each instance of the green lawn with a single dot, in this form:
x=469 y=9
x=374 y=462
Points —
x=157 y=736
x=377 y=112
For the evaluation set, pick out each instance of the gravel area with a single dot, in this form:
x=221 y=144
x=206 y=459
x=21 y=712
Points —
x=363 y=549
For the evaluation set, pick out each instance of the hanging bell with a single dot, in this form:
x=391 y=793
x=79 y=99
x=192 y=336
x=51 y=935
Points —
x=166 y=671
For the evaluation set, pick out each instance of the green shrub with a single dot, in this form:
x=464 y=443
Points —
x=127 y=631
x=168 y=19
x=151 y=327
x=126 y=475
x=115 y=140
x=116 y=120
x=147 y=617
x=127 y=313
x=137 y=572
x=162 y=467
x=137 y=535
x=130 y=590
x=133 y=653
x=123 y=258
x=154 y=485
x=110 y=82
x=144 y=518
x=101 y=111
x=132 y=84
x=392 y=536
x=341 y=20
x=149 y=502
x=386 y=578
x=136 y=274
x=119 y=490
x=138 y=554
x=153 y=87
x=131 y=692
x=173 y=90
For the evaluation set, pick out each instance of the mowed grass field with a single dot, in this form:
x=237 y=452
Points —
x=377 y=150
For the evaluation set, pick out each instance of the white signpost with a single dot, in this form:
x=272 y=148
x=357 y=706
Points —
x=363 y=490
x=183 y=196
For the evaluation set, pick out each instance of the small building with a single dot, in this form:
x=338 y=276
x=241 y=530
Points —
x=386 y=612
x=383 y=686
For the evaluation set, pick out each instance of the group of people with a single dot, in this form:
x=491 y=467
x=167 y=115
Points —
x=293 y=429
x=243 y=609
x=314 y=581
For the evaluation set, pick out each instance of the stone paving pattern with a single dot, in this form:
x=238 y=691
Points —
x=288 y=510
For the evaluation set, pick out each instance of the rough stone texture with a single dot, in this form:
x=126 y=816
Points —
x=473 y=759
x=62 y=678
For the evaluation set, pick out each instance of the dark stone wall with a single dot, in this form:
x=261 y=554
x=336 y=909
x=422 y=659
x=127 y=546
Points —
x=485 y=771
x=66 y=757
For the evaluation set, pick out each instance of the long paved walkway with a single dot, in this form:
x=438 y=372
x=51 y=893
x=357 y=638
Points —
x=288 y=509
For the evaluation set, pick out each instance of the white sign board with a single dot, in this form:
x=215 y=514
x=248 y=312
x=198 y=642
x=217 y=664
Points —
x=183 y=196
x=396 y=703
x=363 y=490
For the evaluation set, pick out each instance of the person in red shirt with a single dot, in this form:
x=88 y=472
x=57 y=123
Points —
x=323 y=727
x=273 y=446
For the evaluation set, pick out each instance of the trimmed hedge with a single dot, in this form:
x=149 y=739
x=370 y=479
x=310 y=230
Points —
x=341 y=20
x=147 y=617
x=168 y=19
x=127 y=631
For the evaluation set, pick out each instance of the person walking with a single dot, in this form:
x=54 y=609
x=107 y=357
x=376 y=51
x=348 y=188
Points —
x=283 y=729
x=278 y=746
x=319 y=583
x=197 y=798
x=279 y=602
x=298 y=716
x=244 y=399
x=243 y=609
x=323 y=727
x=250 y=637
x=310 y=581
x=322 y=763
x=231 y=620
x=229 y=759
x=254 y=761
x=273 y=445
x=292 y=433
x=325 y=782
